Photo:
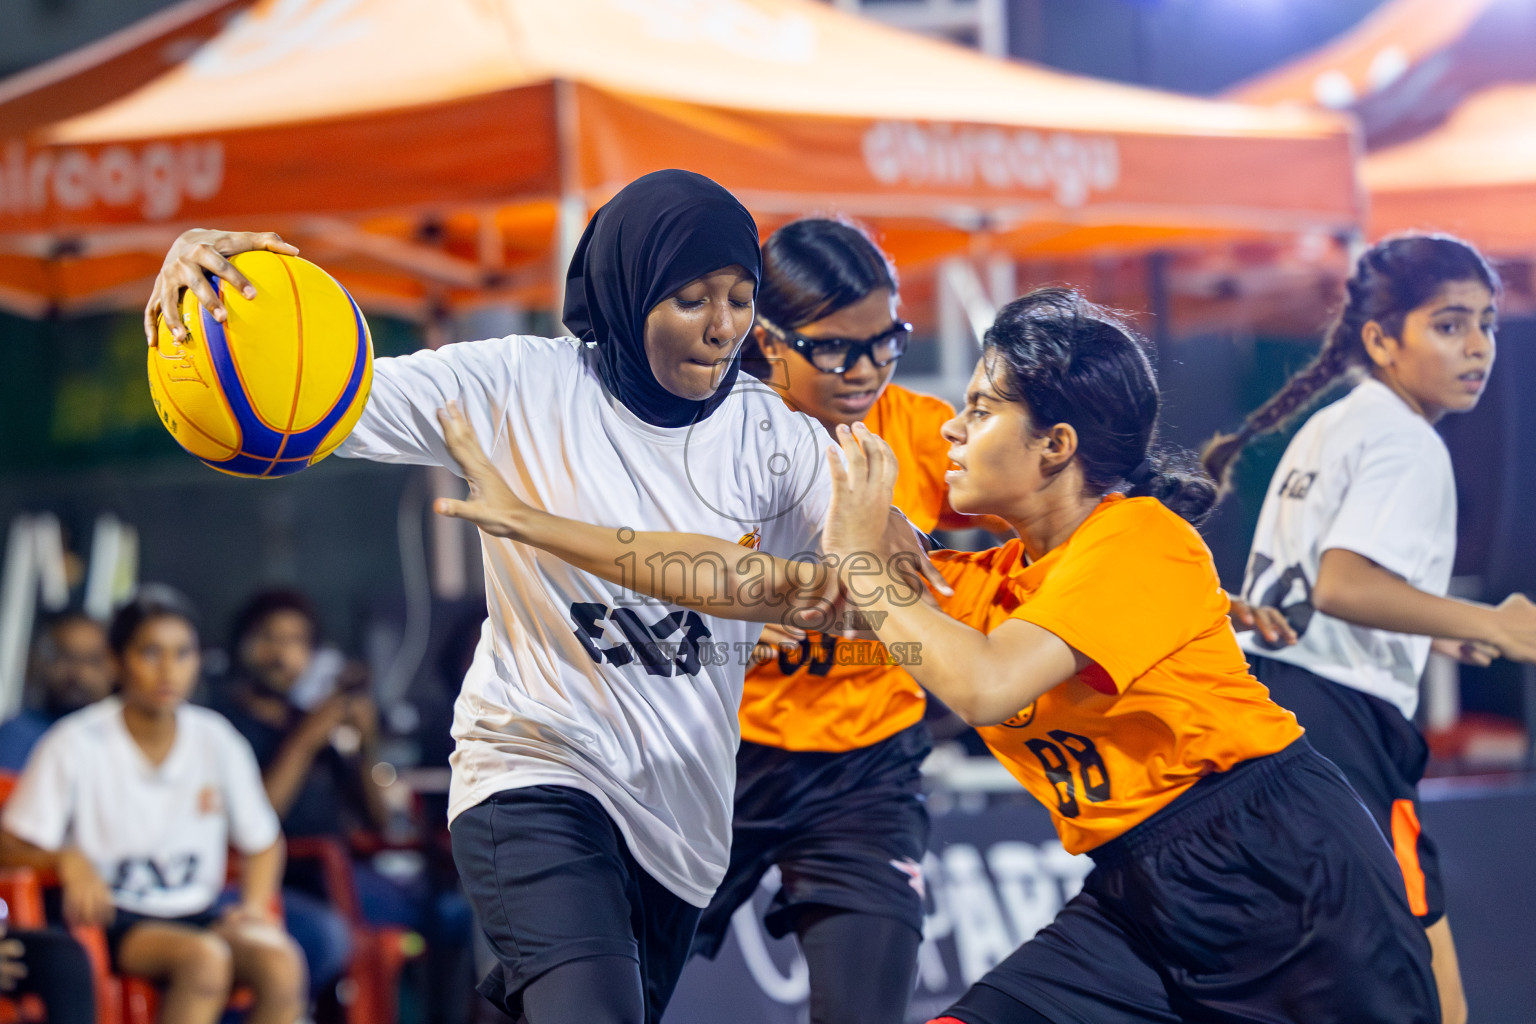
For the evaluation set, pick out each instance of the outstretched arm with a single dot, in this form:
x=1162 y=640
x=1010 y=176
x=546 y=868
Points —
x=985 y=678
x=686 y=569
x=1356 y=589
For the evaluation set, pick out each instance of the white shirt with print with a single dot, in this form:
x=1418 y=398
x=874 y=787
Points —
x=579 y=682
x=1365 y=474
x=157 y=835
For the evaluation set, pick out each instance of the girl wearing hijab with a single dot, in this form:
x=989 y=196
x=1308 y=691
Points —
x=596 y=731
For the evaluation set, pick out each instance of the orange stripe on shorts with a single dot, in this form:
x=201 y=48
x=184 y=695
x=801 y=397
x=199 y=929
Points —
x=1405 y=843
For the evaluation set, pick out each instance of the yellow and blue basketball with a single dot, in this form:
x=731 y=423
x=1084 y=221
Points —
x=279 y=384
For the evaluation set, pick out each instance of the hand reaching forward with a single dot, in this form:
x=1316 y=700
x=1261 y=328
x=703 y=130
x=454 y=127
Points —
x=1270 y=623
x=491 y=505
x=861 y=519
x=863 y=471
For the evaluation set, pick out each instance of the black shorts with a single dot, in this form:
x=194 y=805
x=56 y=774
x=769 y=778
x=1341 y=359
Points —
x=125 y=921
x=847 y=830
x=1264 y=893
x=1381 y=753
x=551 y=880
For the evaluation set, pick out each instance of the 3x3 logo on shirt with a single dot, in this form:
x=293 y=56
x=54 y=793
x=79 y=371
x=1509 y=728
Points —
x=141 y=876
x=649 y=644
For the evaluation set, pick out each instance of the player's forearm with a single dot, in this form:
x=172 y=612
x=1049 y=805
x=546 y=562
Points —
x=1354 y=588
x=686 y=569
x=982 y=679
x=261 y=875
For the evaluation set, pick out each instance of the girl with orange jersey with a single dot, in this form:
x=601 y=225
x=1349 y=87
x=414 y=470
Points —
x=828 y=780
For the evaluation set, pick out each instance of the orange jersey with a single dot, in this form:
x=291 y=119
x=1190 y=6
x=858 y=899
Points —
x=1168 y=698
x=837 y=694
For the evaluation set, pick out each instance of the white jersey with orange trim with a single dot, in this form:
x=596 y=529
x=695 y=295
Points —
x=1366 y=474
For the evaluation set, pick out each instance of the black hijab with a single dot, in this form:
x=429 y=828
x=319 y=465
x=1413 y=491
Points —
x=660 y=232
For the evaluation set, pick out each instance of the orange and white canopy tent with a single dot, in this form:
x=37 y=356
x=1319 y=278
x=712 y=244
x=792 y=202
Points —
x=1374 y=55
x=1474 y=176
x=1446 y=91
x=436 y=153
x=105 y=70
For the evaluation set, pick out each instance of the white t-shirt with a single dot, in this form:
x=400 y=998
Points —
x=560 y=692
x=158 y=836
x=1368 y=475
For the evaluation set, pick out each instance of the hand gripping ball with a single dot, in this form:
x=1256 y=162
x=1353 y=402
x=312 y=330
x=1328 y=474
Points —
x=279 y=384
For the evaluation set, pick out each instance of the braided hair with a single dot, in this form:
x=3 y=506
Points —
x=1068 y=360
x=1393 y=278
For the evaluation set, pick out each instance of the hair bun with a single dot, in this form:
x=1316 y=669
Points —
x=1176 y=479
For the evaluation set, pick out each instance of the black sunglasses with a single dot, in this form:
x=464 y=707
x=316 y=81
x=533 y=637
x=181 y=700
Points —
x=839 y=355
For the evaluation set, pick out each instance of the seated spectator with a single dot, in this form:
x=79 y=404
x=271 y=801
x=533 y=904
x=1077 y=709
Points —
x=316 y=761
x=134 y=802
x=317 y=742
x=69 y=668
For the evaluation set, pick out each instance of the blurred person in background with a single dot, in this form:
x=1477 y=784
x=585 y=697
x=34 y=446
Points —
x=134 y=802
x=316 y=762
x=1357 y=537
x=70 y=667
x=317 y=750
x=454 y=959
x=317 y=741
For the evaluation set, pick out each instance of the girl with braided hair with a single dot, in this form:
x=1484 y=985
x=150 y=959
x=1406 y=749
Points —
x=1358 y=532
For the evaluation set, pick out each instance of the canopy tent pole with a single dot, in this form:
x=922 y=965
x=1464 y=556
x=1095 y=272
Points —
x=965 y=313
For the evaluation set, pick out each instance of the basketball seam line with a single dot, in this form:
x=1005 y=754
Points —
x=356 y=374
x=240 y=378
x=298 y=378
x=218 y=377
x=212 y=328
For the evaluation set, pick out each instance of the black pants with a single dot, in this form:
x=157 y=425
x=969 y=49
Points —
x=553 y=884
x=1264 y=893
x=1382 y=755
x=847 y=830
